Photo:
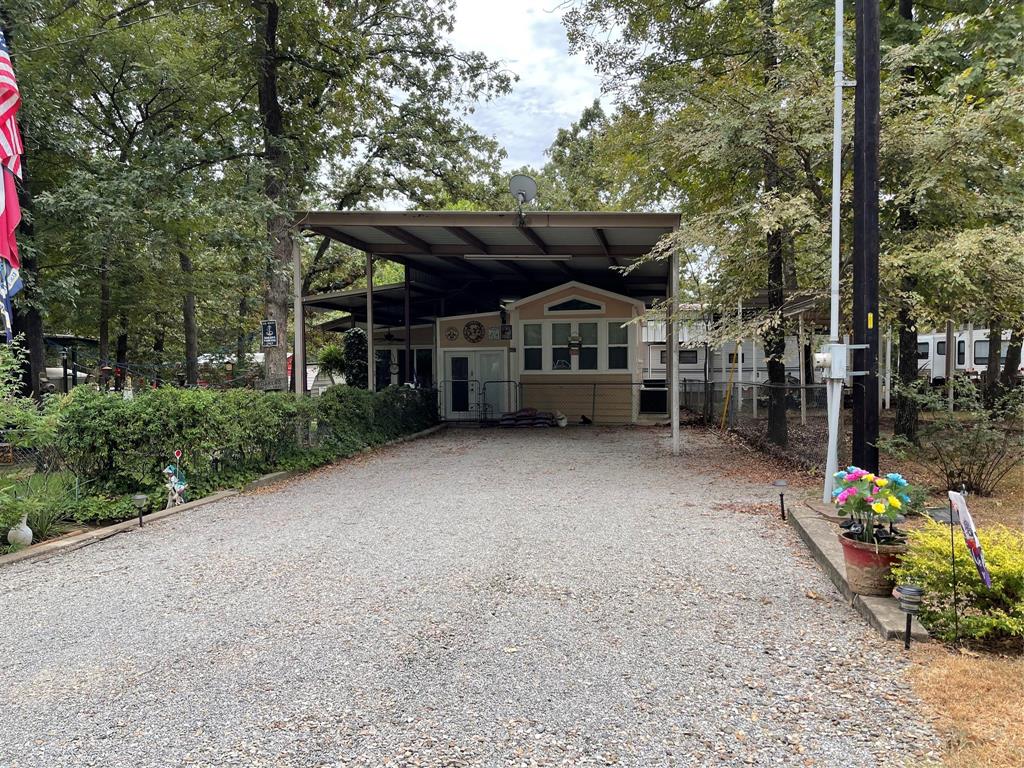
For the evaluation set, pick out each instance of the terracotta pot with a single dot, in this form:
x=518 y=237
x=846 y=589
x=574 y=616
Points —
x=869 y=566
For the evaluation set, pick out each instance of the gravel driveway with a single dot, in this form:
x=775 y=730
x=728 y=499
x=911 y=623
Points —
x=533 y=597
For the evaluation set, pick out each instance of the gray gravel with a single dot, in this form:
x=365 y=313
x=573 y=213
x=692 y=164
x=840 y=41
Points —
x=533 y=597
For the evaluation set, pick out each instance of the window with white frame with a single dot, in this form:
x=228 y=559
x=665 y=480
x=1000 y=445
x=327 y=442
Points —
x=618 y=346
x=564 y=346
x=533 y=347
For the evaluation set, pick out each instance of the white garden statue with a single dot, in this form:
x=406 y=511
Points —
x=20 y=535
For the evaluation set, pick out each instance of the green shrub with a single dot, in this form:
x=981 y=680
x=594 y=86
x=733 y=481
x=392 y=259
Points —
x=98 y=510
x=354 y=355
x=332 y=359
x=345 y=417
x=993 y=615
x=226 y=438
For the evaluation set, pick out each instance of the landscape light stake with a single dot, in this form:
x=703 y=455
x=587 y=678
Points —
x=140 y=500
x=781 y=485
x=909 y=596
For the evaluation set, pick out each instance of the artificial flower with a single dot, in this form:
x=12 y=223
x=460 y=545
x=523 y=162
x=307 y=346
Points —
x=878 y=507
x=881 y=482
x=893 y=501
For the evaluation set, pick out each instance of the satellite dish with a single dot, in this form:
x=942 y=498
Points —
x=523 y=189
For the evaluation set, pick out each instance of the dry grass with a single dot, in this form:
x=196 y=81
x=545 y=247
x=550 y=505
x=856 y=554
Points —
x=976 y=702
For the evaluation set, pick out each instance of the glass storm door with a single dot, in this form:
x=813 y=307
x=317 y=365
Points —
x=467 y=372
x=461 y=387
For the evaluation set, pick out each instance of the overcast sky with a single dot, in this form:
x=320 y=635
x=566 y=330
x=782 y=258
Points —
x=527 y=36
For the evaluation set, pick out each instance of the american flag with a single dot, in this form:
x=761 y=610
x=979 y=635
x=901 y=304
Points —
x=10 y=166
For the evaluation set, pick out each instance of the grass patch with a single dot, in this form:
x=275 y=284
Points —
x=975 y=702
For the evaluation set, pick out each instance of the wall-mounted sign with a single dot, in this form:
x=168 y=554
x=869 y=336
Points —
x=493 y=333
x=506 y=332
x=269 y=334
x=474 y=331
x=575 y=344
x=452 y=334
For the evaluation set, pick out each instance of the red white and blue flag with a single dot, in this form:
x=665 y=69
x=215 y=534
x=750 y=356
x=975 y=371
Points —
x=11 y=150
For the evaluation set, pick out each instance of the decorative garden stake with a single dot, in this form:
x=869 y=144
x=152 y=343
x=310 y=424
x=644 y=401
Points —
x=175 y=485
x=958 y=507
x=909 y=596
x=781 y=485
x=140 y=500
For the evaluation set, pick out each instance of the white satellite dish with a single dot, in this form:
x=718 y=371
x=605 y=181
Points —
x=523 y=189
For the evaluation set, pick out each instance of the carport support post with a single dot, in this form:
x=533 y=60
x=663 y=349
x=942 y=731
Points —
x=299 y=356
x=803 y=374
x=371 y=369
x=408 y=330
x=673 y=349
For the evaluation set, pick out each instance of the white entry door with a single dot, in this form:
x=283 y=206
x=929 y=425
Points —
x=475 y=386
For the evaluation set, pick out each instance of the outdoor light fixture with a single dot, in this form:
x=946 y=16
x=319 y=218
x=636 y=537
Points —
x=140 y=500
x=909 y=597
x=517 y=257
x=781 y=485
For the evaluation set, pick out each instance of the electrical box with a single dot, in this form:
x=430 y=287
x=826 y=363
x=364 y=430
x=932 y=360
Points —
x=839 y=354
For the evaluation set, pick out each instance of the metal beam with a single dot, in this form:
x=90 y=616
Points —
x=408 y=238
x=534 y=238
x=583 y=220
x=603 y=240
x=469 y=238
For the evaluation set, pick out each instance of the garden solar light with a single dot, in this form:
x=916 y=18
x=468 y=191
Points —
x=781 y=485
x=140 y=500
x=909 y=597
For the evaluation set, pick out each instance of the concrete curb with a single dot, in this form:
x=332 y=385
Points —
x=819 y=534
x=49 y=549
x=70 y=543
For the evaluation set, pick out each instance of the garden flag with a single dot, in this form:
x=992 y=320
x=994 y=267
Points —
x=959 y=504
x=10 y=166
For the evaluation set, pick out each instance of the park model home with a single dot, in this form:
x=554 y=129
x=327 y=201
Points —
x=572 y=348
x=501 y=311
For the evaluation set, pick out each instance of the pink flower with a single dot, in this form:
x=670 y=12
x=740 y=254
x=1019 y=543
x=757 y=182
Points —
x=850 y=478
x=872 y=498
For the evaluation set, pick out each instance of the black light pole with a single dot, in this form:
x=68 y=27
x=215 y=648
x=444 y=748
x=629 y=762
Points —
x=865 y=238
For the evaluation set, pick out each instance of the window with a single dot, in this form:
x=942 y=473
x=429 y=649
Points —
x=561 y=359
x=587 y=333
x=922 y=350
x=981 y=352
x=961 y=349
x=575 y=305
x=618 y=347
x=424 y=362
x=732 y=358
x=686 y=357
x=585 y=346
x=940 y=348
x=533 y=347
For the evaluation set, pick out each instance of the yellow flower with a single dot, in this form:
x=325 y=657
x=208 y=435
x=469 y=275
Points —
x=893 y=501
x=869 y=477
x=878 y=507
x=881 y=482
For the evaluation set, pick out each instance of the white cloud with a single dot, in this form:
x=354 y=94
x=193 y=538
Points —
x=528 y=38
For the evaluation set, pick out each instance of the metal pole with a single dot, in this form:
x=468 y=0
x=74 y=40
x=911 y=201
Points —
x=865 y=238
x=299 y=355
x=739 y=360
x=371 y=367
x=408 y=330
x=888 y=368
x=64 y=366
x=672 y=342
x=74 y=366
x=834 y=389
x=753 y=377
x=803 y=374
x=950 y=368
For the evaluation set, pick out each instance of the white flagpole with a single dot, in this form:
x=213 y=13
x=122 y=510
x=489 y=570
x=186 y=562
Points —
x=835 y=386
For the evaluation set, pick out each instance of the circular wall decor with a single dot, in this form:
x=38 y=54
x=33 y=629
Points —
x=474 y=331
x=452 y=334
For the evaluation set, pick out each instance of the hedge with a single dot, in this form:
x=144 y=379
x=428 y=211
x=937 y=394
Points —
x=117 y=446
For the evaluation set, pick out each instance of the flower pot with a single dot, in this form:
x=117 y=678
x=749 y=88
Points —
x=869 y=566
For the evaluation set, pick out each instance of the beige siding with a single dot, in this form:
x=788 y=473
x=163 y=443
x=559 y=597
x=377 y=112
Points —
x=490 y=321
x=534 y=310
x=605 y=399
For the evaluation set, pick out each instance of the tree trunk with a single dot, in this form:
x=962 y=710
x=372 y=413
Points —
x=993 y=368
x=278 y=166
x=122 y=356
x=775 y=335
x=188 y=317
x=906 y=419
x=1011 y=369
x=158 y=354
